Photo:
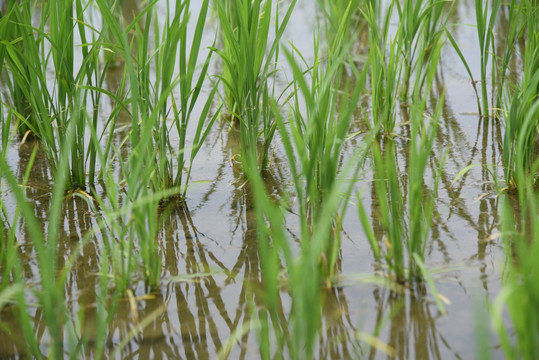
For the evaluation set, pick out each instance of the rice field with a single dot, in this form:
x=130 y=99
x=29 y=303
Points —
x=241 y=179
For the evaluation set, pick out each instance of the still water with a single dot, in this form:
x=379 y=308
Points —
x=211 y=265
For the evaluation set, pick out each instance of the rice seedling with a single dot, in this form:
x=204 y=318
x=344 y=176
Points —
x=249 y=55
x=385 y=69
x=333 y=12
x=406 y=225
x=162 y=68
x=74 y=95
x=314 y=139
x=167 y=56
x=520 y=292
x=421 y=24
x=522 y=110
x=485 y=12
x=9 y=31
x=391 y=202
x=150 y=172
x=485 y=26
x=420 y=200
x=133 y=222
x=313 y=143
x=129 y=228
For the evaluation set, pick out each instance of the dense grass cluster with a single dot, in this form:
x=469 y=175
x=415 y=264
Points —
x=128 y=148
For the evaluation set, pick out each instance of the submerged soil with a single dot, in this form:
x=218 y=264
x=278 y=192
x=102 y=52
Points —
x=211 y=264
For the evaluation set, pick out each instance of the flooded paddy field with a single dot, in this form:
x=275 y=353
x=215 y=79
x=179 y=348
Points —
x=143 y=215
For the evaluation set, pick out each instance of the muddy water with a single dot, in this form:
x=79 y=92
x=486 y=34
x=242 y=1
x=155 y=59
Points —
x=213 y=239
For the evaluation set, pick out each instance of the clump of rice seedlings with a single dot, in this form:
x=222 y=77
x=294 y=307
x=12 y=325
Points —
x=313 y=141
x=130 y=227
x=166 y=69
x=520 y=292
x=75 y=93
x=250 y=53
x=172 y=50
x=397 y=60
x=20 y=45
x=132 y=214
x=150 y=172
x=391 y=216
x=385 y=69
x=421 y=24
x=314 y=138
x=522 y=119
x=406 y=224
x=9 y=33
x=333 y=13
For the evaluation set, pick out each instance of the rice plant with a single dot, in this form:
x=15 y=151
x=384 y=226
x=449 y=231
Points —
x=250 y=53
x=333 y=13
x=421 y=24
x=134 y=220
x=385 y=69
x=75 y=94
x=406 y=224
x=522 y=109
x=313 y=142
x=314 y=139
x=172 y=50
x=155 y=170
x=485 y=25
x=9 y=31
x=485 y=13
